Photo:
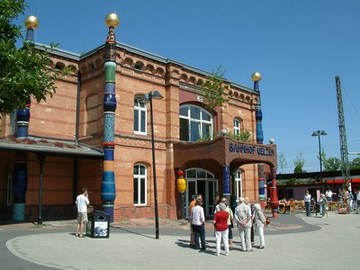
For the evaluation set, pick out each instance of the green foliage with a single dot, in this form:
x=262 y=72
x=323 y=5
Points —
x=213 y=89
x=299 y=163
x=332 y=164
x=355 y=164
x=24 y=73
x=243 y=136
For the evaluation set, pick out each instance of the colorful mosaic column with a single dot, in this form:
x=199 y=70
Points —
x=256 y=77
x=23 y=114
x=20 y=175
x=226 y=180
x=108 y=190
x=274 y=197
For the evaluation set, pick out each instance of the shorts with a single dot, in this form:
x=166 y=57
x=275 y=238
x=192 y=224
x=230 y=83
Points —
x=82 y=217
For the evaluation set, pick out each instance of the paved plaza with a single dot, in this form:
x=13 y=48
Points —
x=292 y=242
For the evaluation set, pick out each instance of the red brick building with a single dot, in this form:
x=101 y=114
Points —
x=64 y=149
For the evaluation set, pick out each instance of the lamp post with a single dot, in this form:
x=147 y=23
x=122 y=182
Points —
x=149 y=98
x=319 y=133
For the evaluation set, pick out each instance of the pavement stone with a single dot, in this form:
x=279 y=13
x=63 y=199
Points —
x=292 y=242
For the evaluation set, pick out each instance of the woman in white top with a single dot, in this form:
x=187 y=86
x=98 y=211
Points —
x=260 y=221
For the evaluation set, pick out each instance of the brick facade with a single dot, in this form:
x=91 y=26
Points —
x=75 y=113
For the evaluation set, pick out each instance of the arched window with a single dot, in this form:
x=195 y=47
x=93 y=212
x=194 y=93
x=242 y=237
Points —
x=140 y=116
x=237 y=126
x=195 y=123
x=140 y=184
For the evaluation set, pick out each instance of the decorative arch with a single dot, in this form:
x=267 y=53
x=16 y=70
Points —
x=72 y=68
x=128 y=62
x=139 y=65
x=59 y=65
x=183 y=77
x=159 y=71
x=149 y=68
x=192 y=79
x=200 y=82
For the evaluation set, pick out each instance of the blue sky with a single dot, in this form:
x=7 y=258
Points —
x=298 y=47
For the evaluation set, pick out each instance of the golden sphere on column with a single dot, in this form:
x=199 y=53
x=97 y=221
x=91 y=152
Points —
x=112 y=19
x=256 y=76
x=31 y=22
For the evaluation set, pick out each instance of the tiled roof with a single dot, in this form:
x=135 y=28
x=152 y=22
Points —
x=50 y=147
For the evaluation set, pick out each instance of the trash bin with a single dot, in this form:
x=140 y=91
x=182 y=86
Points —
x=98 y=225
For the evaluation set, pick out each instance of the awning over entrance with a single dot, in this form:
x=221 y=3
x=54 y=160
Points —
x=224 y=150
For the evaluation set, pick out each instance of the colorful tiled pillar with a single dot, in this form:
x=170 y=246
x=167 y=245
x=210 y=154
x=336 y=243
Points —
x=108 y=189
x=226 y=180
x=20 y=175
x=256 y=77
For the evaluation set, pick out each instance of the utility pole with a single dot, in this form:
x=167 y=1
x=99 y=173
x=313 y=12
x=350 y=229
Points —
x=345 y=169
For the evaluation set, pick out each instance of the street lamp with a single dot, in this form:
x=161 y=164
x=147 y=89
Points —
x=319 y=133
x=149 y=98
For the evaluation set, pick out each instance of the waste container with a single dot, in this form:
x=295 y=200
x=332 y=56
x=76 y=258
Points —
x=98 y=225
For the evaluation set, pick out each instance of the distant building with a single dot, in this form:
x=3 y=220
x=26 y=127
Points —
x=294 y=185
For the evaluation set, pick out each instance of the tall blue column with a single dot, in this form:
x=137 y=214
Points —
x=226 y=180
x=256 y=77
x=20 y=175
x=108 y=189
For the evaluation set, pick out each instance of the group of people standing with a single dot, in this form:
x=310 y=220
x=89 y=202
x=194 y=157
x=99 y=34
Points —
x=323 y=204
x=345 y=196
x=245 y=216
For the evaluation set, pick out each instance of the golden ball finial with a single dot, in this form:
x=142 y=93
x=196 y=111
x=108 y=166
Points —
x=112 y=19
x=31 y=22
x=256 y=76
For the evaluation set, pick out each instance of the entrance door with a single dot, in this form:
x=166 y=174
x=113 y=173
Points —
x=201 y=182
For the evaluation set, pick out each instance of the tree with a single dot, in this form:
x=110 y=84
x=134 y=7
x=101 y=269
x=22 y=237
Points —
x=331 y=163
x=24 y=72
x=299 y=163
x=213 y=89
x=282 y=161
x=355 y=164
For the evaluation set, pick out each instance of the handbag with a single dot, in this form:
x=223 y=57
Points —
x=267 y=222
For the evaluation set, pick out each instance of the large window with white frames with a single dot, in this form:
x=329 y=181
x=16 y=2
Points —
x=140 y=184
x=140 y=116
x=196 y=123
x=237 y=126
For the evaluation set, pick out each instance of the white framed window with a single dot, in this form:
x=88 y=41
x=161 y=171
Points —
x=195 y=123
x=140 y=184
x=237 y=126
x=140 y=116
x=239 y=183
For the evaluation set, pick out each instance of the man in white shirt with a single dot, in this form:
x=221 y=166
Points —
x=307 y=200
x=82 y=202
x=328 y=195
x=244 y=223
